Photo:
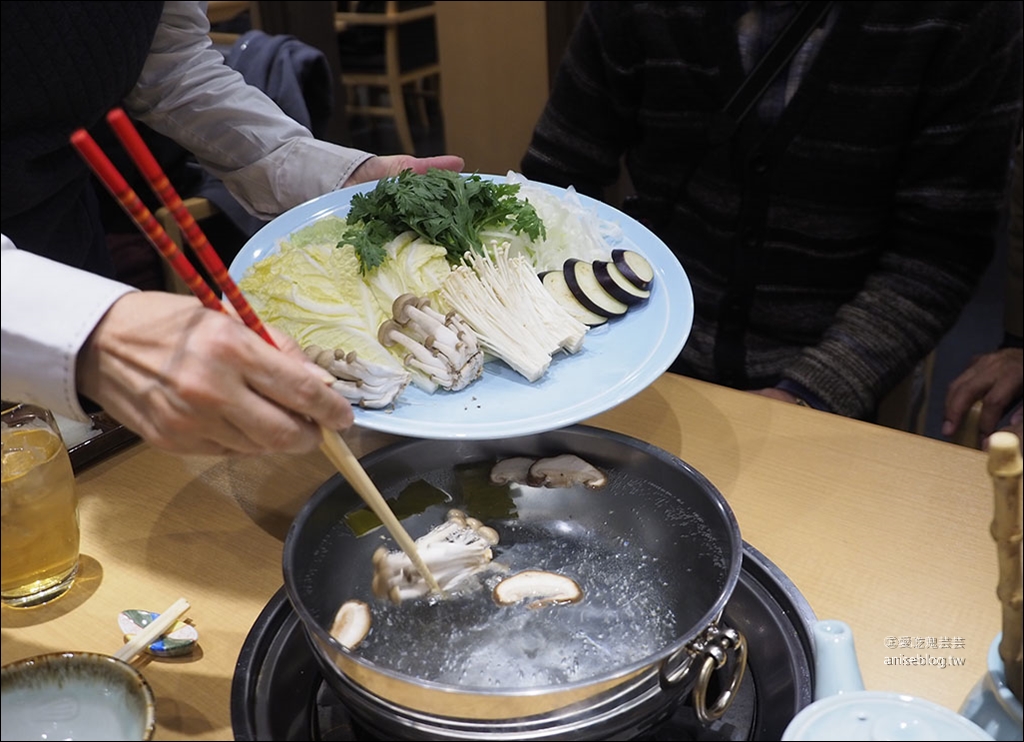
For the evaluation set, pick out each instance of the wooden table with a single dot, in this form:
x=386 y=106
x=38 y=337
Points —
x=885 y=530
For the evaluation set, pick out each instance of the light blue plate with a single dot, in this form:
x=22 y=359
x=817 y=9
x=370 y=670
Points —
x=618 y=360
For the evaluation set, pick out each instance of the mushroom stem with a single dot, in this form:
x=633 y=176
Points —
x=410 y=310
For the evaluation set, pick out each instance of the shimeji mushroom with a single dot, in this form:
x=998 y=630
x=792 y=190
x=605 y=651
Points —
x=546 y=588
x=453 y=551
x=361 y=382
x=448 y=338
x=390 y=334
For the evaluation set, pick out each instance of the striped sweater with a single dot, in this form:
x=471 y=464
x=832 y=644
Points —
x=829 y=250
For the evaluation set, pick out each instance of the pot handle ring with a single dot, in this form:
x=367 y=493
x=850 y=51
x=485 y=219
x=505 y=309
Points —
x=714 y=645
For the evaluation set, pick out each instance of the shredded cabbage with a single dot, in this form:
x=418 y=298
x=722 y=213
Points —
x=573 y=230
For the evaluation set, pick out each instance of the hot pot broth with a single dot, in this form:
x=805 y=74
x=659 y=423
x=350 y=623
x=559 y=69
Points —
x=649 y=564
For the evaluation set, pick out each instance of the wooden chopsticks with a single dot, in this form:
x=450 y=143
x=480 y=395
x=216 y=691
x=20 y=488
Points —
x=333 y=445
x=152 y=631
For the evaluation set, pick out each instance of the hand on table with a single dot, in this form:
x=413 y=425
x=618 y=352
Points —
x=995 y=378
x=191 y=380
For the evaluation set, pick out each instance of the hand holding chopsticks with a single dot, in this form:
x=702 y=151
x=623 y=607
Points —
x=332 y=444
x=202 y=384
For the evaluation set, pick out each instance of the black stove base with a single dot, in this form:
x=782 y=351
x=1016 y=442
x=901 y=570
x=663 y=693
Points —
x=279 y=692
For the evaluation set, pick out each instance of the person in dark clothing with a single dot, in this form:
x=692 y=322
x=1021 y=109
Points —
x=836 y=234
x=996 y=378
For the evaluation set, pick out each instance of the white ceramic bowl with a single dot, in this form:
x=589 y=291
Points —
x=75 y=695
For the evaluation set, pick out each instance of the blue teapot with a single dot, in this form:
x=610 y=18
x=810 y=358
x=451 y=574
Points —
x=844 y=710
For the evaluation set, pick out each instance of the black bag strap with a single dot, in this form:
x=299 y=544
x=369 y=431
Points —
x=807 y=18
x=724 y=123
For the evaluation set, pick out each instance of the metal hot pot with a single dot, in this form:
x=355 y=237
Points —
x=655 y=507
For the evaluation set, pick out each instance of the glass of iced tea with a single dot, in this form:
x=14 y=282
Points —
x=39 y=535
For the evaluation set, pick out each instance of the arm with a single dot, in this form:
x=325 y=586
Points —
x=45 y=321
x=267 y=160
x=189 y=380
x=185 y=378
x=997 y=378
x=945 y=205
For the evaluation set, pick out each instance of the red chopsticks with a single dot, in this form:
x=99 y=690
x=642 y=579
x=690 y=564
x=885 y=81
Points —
x=161 y=185
x=333 y=446
x=131 y=203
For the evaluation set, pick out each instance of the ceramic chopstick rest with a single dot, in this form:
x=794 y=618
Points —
x=180 y=639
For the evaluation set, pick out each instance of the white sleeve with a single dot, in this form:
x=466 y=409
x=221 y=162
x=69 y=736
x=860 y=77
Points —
x=47 y=311
x=265 y=158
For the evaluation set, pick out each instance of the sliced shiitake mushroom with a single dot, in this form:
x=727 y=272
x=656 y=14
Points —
x=513 y=470
x=351 y=623
x=545 y=588
x=565 y=470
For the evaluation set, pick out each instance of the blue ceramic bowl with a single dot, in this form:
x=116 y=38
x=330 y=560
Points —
x=77 y=696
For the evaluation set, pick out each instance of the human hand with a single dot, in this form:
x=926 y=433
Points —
x=391 y=165
x=996 y=378
x=194 y=381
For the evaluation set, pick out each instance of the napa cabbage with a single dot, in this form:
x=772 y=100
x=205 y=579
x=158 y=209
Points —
x=312 y=288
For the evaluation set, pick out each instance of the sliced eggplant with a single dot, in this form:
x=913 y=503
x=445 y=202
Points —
x=554 y=282
x=616 y=284
x=583 y=284
x=633 y=266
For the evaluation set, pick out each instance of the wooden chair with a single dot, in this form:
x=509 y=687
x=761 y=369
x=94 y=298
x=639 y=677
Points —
x=223 y=12
x=389 y=47
x=905 y=407
x=200 y=208
x=967 y=433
